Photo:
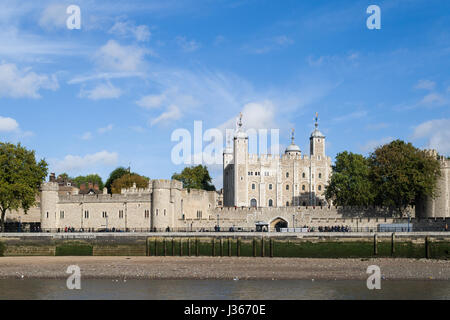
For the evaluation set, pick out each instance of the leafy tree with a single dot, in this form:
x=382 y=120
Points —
x=115 y=174
x=195 y=177
x=64 y=176
x=349 y=183
x=90 y=178
x=402 y=174
x=20 y=178
x=127 y=181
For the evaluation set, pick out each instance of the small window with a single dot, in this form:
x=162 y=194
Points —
x=157 y=212
x=287 y=187
x=253 y=186
x=270 y=203
x=164 y=212
x=86 y=214
x=61 y=214
x=287 y=203
x=287 y=174
x=120 y=214
x=320 y=175
x=303 y=187
x=270 y=186
x=319 y=187
x=303 y=175
x=47 y=214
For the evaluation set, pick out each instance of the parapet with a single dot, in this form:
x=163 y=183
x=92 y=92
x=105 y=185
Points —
x=167 y=184
x=49 y=186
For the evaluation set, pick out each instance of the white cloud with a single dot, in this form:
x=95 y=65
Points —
x=425 y=84
x=126 y=29
x=152 y=101
x=109 y=127
x=437 y=134
x=15 y=83
x=86 y=136
x=187 y=45
x=54 y=16
x=115 y=57
x=101 y=91
x=373 y=144
x=433 y=99
x=172 y=113
x=8 y=124
x=72 y=162
x=255 y=115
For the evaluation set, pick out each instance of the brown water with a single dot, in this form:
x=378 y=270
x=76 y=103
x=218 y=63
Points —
x=221 y=289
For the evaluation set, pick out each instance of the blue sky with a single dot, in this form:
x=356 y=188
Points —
x=113 y=92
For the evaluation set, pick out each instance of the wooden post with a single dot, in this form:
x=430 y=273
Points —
x=221 y=246
x=189 y=246
x=427 y=247
x=147 y=247
x=375 y=247
x=165 y=247
x=271 y=247
x=181 y=247
x=262 y=247
x=393 y=244
x=213 y=247
x=238 y=245
x=156 y=246
x=229 y=247
x=196 y=247
x=254 y=247
x=173 y=247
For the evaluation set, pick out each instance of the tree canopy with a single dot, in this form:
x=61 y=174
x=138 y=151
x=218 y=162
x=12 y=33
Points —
x=20 y=178
x=402 y=174
x=394 y=175
x=90 y=178
x=115 y=174
x=350 y=183
x=127 y=181
x=195 y=177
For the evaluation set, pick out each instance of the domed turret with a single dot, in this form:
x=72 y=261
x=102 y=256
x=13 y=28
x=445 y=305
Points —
x=293 y=148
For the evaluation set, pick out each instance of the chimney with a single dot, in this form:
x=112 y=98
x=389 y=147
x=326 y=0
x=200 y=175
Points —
x=91 y=186
x=83 y=186
x=96 y=187
x=52 y=177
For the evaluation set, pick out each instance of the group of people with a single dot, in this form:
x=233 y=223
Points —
x=333 y=229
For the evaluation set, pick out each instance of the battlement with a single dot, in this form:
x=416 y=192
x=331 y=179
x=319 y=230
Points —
x=106 y=198
x=167 y=184
x=49 y=186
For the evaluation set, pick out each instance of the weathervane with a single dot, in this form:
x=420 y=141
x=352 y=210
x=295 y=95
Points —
x=292 y=135
x=239 y=123
x=317 y=119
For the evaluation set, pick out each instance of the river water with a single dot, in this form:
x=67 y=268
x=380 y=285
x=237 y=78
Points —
x=222 y=289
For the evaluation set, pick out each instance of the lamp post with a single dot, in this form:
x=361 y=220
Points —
x=218 y=227
x=293 y=221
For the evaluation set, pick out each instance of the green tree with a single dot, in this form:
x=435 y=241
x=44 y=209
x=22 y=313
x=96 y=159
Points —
x=127 y=181
x=64 y=176
x=350 y=182
x=115 y=174
x=20 y=178
x=195 y=177
x=90 y=178
x=402 y=174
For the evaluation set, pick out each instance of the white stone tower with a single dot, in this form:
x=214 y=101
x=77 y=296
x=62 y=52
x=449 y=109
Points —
x=317 y=141
x=240 y=157
x=49 y=201
x=228 y=175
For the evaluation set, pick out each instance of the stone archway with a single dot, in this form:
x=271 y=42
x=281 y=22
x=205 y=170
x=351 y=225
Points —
x=278 y=223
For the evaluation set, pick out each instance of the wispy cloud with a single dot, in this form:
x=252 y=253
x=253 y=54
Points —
x=173 y=113
x=436 y=133
x=187 y=45
x=72 y=163
x=101 y=91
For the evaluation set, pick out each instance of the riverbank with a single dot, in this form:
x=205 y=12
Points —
x=222 y=268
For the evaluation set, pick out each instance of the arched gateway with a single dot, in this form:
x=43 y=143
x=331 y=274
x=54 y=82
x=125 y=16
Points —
x=277 y=224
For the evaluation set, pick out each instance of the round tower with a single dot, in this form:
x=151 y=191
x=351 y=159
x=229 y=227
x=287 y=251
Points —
x=49 y=201
x=166 y=203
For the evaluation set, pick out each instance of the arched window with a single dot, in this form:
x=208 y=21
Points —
x=287 y=174
x=287 y=187
x=304 y=203
x=253 y=186
x=253 y=203
x=303 y=187
x=287 y=203
x=270 y=203
x=270 y=186
x=303 y=175
x=319 y=187
x=320 y=175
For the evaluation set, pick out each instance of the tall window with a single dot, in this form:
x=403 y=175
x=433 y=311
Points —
x=320 y=175
x=270 y=186
x=287 y=174
x=86 y=214
x=253 y=186
x=270 y=203
x=287 y=187
x=104 y=214
x=120 y=214
x=303 y=187
x=61 y=214
x=146 y=214
x=253 y=203
x=303 y=175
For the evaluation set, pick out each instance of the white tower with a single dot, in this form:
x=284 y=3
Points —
x=240 y=156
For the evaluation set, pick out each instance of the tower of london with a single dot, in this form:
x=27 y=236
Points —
x=292 y=179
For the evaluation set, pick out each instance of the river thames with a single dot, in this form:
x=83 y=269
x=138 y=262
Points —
x=114 y=289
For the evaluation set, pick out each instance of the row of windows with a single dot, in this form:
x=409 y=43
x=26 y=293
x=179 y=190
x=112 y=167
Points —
x=250 y=173
x=253 y=203
x=105 y=214
x=287 y=187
